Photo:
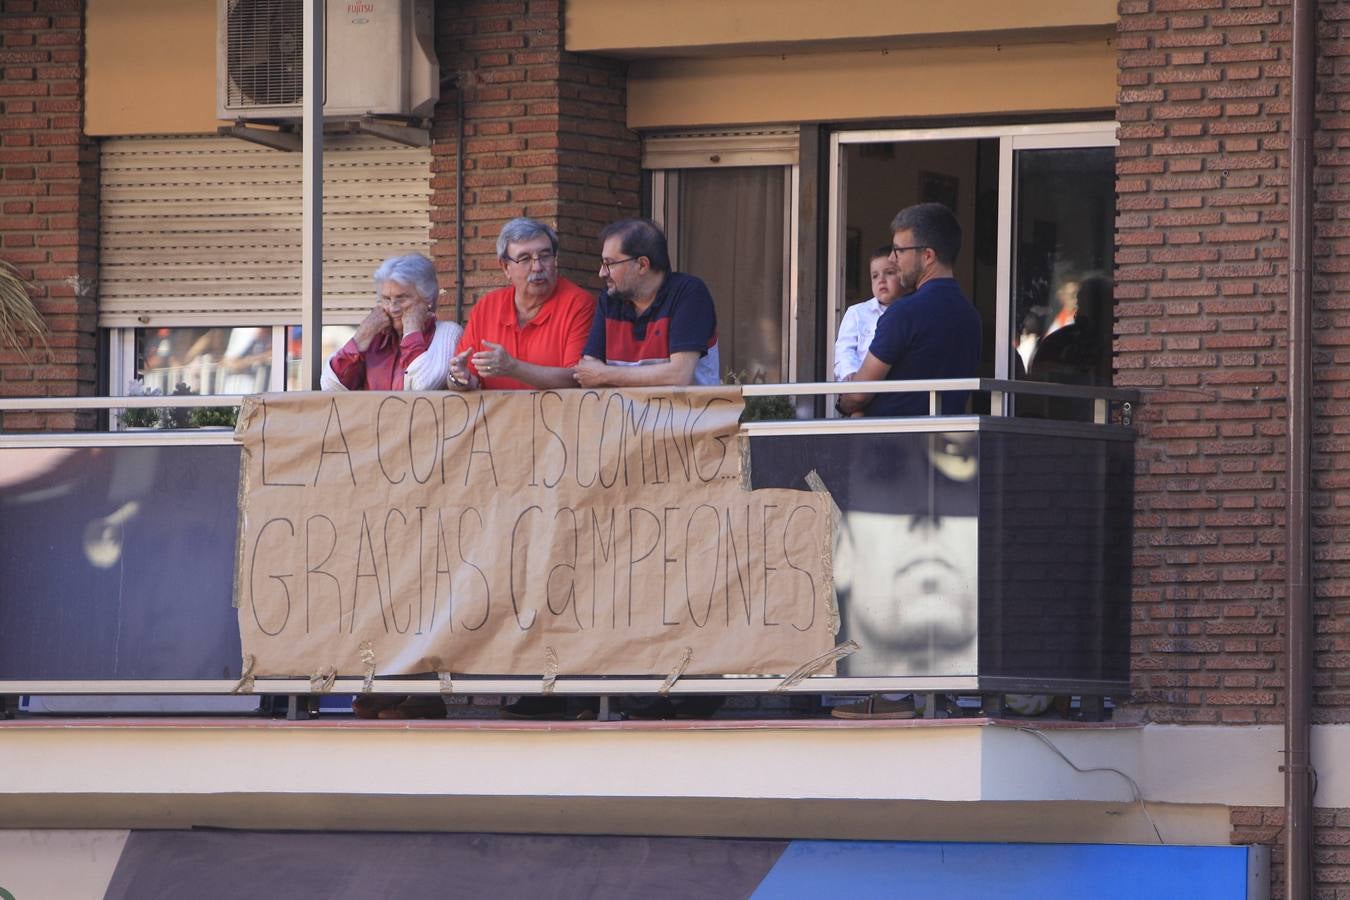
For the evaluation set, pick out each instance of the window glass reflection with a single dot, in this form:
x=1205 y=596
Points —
x=213 y=360
x=1063 y=240
x=906 y=556
x=334 y=336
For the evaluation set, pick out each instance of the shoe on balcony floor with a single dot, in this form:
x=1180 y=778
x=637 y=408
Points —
x=369 y=706
x=876 y=706
x=416 y=707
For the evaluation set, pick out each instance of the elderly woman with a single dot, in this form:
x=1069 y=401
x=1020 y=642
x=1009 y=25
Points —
x=399 y=346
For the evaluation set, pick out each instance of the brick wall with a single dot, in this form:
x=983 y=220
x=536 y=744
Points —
x=48 y=201
x=1265 y=825
x=544 y=132
x=1331 y=847
x=544 y=137
x=1201 y=297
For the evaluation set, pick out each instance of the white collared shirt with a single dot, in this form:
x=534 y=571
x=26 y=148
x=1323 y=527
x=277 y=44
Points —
x=855 y=336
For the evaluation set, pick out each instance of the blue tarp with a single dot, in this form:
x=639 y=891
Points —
x=951 y=871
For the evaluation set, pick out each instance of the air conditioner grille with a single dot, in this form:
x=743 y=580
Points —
x=264 y=48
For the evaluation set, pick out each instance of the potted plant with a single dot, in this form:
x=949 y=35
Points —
x=140 y=417
x=177 y=416
x=213 y=416
x=762 y=409
x=174 y=417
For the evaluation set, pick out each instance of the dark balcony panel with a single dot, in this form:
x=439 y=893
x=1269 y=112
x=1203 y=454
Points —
x=1055 y=544
x=999 y=550
x=996 y=552
x=118 y=563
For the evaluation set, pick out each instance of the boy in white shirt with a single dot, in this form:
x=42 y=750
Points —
x=860 y=319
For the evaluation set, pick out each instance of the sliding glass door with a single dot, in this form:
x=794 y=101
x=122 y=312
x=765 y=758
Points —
x=1037 y=207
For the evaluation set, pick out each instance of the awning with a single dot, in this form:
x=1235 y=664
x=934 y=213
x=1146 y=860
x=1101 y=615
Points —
x=209 y=864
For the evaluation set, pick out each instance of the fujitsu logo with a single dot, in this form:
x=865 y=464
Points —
x=357 y=8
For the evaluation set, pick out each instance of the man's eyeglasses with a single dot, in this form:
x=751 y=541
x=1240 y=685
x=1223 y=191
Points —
x=896 y=250
x=606 y=264
x=545 y=258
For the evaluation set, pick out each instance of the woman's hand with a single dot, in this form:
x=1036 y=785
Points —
x=375 y=323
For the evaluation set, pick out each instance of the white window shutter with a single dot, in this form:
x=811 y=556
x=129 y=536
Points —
x=197 y=230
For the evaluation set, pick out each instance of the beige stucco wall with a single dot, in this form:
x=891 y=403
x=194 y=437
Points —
x=150 y=67
x=765 y=61
x=58 y=863
x=636 y=28
x=872 y=84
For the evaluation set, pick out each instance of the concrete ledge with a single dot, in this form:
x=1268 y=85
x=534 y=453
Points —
x=943 y=760
x=678 y=816
x=919 y=779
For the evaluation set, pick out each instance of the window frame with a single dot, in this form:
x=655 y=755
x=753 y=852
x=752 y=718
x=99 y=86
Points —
x=1011 y=138
x=122 y=355
x=664 y=156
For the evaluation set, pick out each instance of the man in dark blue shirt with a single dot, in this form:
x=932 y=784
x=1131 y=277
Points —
x=652 y=327
x=932 y=331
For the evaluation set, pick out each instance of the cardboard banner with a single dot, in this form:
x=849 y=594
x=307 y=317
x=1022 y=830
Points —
x=597 y=532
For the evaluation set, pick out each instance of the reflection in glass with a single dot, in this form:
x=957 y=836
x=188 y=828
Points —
x=908 y=592
x=208 y=360
x=1002 y=552
x=118 y=562
x=1063 y=232
x=906 y=558
x=334 y=336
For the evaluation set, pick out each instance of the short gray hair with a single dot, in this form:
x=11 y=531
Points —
x=522 y=229
x=413 y=270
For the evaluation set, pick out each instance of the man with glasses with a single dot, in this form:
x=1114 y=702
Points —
x=530 y=333
x=934 y=333
x=653 y=327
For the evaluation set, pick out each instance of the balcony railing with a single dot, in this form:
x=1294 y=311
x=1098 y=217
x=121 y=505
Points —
x=974 y=553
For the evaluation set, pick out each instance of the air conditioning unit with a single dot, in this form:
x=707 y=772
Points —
x=380 y=61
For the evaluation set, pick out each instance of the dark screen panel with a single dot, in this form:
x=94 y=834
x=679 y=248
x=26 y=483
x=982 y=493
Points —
x=1055 y=546
x=1020 y=537
x=118 y=563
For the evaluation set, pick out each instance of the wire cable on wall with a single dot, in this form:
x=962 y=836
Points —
x=1134 y=786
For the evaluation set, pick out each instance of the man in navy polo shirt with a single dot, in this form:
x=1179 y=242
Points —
x=932 y=331
x=652 y=327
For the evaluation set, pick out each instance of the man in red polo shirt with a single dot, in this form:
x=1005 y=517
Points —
x=529 y=334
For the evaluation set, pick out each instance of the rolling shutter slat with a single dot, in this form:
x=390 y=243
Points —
x=198 y=228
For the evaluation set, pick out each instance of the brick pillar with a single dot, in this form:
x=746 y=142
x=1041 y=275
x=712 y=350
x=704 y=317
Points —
x=48 y=201
x=544 y=137
x=1202 y=301
x=1201 y=293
